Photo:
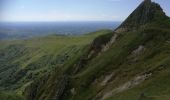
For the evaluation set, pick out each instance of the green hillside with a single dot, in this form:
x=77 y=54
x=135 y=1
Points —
x=136 y=67
x=127 y=65
x=131 y=63
x=24 y=61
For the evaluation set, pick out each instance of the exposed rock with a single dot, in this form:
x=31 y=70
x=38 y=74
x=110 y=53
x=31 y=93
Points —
x=106 y=79
x=107 y=46
x=73 y=91
x=138 y=50
x=91 y=54
x=121 y=29
x=133 y=57
x=135 y=81
x=168 y=41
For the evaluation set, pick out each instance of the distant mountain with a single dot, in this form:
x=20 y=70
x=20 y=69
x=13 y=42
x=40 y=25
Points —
x=130 y=63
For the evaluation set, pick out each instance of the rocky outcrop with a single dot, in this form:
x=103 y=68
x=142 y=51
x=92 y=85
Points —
x=107 y=46
x=130 y=84
x=99 y=45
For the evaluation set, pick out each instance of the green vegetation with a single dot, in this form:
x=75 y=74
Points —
x=121 y=64
x=125 y=66
x=136 y=66
x=10 y=96
x=24 y=61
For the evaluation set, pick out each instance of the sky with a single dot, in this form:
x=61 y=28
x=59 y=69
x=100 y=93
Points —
x=70 y=10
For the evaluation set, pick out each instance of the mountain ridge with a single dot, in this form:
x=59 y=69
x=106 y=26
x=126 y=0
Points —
x=116 y=63
x=125 y=64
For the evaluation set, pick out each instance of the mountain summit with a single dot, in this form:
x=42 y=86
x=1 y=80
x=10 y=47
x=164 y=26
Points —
x=146 y=12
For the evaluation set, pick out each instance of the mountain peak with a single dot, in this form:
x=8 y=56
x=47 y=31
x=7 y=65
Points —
x=146 y=12
x=147 y=0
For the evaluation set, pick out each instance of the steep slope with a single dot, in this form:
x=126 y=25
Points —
x=24 y=61
x=145 y=13
x=129 y=64
x=132 y=63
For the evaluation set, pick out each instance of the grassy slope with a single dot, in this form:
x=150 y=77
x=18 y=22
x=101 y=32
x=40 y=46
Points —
x=119 y=60
x=23 y=61
x=155 y=60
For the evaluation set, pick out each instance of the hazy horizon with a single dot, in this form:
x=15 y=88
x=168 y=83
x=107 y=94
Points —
x=23 y=30
x=70 y=10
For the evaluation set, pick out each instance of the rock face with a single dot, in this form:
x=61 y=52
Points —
x=146 y=12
